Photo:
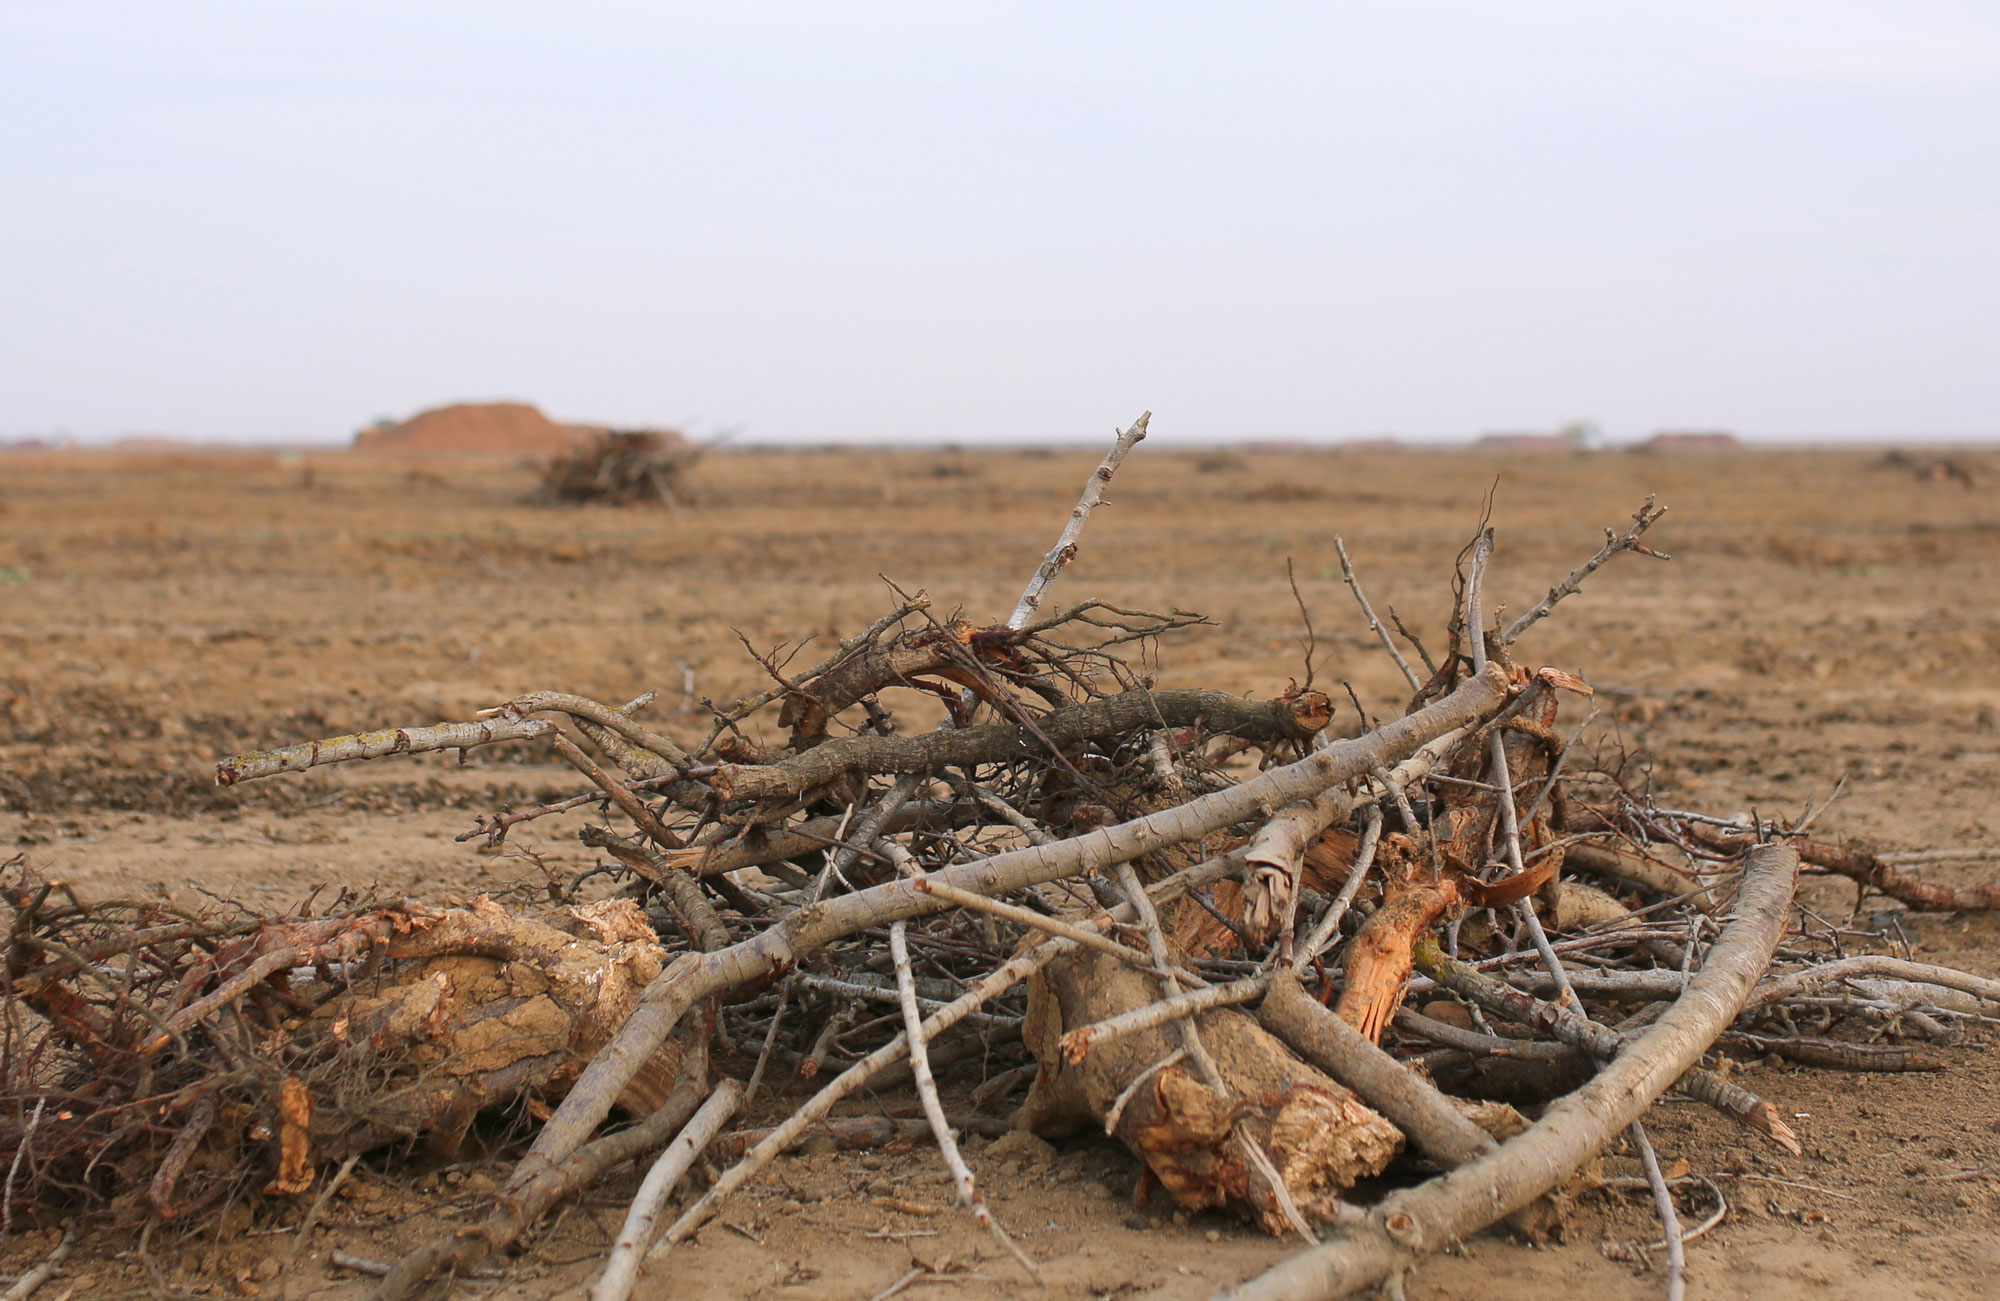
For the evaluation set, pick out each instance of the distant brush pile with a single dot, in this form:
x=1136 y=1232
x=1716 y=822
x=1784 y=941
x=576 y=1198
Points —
x=624 y=467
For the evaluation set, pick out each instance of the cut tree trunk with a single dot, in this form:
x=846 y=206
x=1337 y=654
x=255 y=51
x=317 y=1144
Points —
x=1319 y=1137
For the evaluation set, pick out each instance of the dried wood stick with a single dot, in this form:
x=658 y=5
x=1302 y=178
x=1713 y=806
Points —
x=770 y=1042
x=1012 y=816
x=1503 y=779
x=649 y=770
x=1329 y=925
x=867 y=830
x=920 y=1071
x=855 y=1133
x=1052 y=925
x=263 y=968
x=692 y=911
x=1368 y=613
x=1563 y=1021
x=1064 y=550
x=160 y=1190
x=992 y=986
x=1405 y=814
x=1280 y=846
x=26 y=1285
x=379 y=1268
x=1298 y=718
x=27 y=1141
x=629 y=804
x=1670 y=1221
x=692 y=977
x=1484 y=1045
x=1077 y=1043
x=1156 y=944
x=253 y=764
x=1409 y=1224
x=1268 y=1171
x=304 y=1235
x=616 y=720
x=725 y=849
x=749 y=705
x=1615 y=860
x=1929 y=995
x=1650 y=984
x=1556 y=767
x=854 y=1077
x=1867 y=868
x=1131 y=1091
x=1646 y=516
x=1924 y=973
x=1160 y=754
x=878 y=994
x=1837 y=1054
x=621 y=1270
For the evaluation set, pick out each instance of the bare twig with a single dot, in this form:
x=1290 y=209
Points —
x=1002 y=979
x=1565 y=1022
x=621 y=1270
x=1921 y=973
x=1051 y=925
x=1131 y=1091
x=26 y=1285
x=1510 y=825
x=319 y=1205
x=14 y=1166
x=1064 y=550
x=1077 y=1043
x=1670 y=1221
x=376 y=745
x=1644 y=518
x=629 y=804
x=1156 y=943
x=920 y=1070
x=1410 y=1102
x=1368 y=613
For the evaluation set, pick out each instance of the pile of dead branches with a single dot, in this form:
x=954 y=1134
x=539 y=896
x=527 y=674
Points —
x=1273 y=955
x=622 y=467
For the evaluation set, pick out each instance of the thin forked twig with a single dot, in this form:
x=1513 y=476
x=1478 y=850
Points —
x=1156 y=942
x=1078 y=1042
x=1644 y=518
x=1368 y=612
x=621 y=1270
x=1064 y=550
x=1510 y=823
x=920 y=1070
x=1670 y=1221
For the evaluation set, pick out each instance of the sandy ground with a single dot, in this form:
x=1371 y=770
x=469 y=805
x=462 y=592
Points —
x=1821 y=617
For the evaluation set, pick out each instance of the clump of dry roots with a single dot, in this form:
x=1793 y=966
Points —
x=1275 y=956
x=622 y=467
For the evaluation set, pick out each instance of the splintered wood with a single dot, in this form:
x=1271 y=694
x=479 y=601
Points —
x=1295 y=962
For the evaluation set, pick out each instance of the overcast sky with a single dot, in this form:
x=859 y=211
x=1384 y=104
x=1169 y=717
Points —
x=961 y=220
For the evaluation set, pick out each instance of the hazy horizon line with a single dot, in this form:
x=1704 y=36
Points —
x=60 y=440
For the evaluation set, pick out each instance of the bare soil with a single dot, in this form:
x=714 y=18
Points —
x=1821 y=617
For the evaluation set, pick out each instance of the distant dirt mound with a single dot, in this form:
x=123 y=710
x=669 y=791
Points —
x=509 y=428
x=1674 y=443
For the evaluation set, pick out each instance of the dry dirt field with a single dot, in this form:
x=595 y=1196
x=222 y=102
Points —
x=1821 y=617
